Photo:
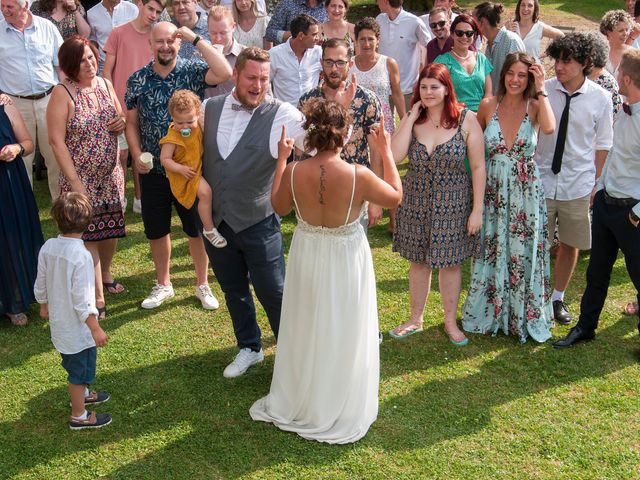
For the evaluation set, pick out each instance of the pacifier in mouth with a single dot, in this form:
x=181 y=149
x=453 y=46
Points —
x=185 y=132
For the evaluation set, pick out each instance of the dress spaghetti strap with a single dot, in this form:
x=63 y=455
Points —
x=353 y=191
x=68 y=92
x=293 y=193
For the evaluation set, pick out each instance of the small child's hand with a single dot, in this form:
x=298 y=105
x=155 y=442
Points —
x=44 y=310
x=99 y=336
x=187 y=172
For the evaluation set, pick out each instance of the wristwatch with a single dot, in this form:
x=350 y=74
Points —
x=21 y=150
x=542 y=93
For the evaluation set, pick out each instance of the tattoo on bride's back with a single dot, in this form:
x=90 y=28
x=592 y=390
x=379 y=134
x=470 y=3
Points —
x=323 y=174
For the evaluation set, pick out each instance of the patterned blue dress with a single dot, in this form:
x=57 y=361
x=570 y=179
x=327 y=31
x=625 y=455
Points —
x=431 y=225
x=510 y=288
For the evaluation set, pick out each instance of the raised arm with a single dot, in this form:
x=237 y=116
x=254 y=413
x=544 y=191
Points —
x=402 y=138
x=219 y=69
x=386 y=192
x=545 y=117
x=281 y=199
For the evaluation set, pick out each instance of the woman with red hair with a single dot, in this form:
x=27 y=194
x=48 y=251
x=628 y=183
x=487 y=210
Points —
x=441 y=211
x=84 y=120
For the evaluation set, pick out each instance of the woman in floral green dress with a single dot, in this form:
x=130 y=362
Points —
x=509 y=288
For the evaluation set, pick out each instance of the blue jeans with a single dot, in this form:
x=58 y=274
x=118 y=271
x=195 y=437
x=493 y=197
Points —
x=257 y=255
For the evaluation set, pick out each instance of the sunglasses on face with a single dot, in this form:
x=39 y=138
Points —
x=439 y=24
x=462 y=33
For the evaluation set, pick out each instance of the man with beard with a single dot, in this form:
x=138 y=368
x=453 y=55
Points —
x=365 y=111
x=241 y=133
x=148 y=92
x=443 y=42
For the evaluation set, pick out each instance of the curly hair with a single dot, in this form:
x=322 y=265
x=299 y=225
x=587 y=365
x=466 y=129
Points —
x=367 y=23
x=611 y=20
x=183 y=101
x=599 y=49
x=327 y=124
x=573 y=46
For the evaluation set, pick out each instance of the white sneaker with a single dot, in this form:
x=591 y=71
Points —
x=245 y=358
x=137 y=205
x=159 y=293
x=205 y=295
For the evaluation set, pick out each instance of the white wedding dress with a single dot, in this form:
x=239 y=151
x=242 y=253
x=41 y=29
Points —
x=327 y=367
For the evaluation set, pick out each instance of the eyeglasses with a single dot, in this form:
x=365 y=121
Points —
x=334 y=63
x=439 y=24
x=462 y=33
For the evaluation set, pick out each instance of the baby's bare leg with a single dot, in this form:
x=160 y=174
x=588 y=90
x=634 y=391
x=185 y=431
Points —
x=205 y=207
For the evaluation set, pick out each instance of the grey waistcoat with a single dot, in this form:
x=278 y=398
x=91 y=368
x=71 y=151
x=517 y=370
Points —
x=241 y=183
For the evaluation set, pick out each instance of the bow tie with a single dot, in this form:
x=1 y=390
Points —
x=626 y=108
x=236 y=107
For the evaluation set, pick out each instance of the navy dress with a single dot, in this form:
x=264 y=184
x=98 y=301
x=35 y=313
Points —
x=20 y=232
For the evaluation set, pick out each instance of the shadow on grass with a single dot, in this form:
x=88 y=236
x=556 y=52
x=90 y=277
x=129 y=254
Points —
x=204 y=429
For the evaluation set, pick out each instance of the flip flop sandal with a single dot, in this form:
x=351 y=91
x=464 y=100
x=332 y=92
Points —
x=113 y=288
x=408 y=331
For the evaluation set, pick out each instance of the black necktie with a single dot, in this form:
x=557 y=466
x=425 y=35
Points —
x=236 y=107
x=556 y=165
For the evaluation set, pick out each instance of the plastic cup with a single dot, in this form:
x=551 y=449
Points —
x=147 y=159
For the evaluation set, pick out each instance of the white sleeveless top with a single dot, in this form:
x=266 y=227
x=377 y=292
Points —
x=377 y=80
x=533 y=39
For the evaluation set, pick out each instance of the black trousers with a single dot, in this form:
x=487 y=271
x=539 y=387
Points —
x=610 y=231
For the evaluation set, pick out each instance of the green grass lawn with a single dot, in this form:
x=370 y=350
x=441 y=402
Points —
x=494 y=409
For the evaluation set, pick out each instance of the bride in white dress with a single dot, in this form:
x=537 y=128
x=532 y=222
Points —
x=326 y=373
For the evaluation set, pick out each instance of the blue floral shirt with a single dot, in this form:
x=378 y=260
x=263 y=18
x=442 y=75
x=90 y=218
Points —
x=286 y=11
x=365 y=110
x=150 y=93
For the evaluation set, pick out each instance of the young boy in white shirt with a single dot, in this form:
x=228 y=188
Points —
x=65 y=290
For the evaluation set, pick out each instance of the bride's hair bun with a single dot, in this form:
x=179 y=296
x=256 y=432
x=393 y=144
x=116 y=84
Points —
x=327 y=124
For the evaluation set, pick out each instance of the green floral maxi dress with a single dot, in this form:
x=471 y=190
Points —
x=510 y=287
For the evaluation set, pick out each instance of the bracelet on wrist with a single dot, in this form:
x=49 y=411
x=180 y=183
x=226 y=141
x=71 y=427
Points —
x=542 y=93
x=196 y=40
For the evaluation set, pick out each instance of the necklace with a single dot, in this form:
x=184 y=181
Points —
x=460 y=56
x=436 y=125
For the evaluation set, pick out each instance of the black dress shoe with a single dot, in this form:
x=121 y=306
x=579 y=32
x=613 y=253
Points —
x=576 y=334
x=560 y=313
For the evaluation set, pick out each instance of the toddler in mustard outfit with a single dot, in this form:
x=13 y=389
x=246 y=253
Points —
x=181 y=156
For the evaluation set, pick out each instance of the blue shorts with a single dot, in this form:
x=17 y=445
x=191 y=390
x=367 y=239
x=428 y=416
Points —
x=80 y=366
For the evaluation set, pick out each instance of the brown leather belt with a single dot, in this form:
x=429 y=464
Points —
x=37 y=96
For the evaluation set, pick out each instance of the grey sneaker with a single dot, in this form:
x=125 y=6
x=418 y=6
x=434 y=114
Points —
x=245 y=358
x=159 y=293
x=93 y=420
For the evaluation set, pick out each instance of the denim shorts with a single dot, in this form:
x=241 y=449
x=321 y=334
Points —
x=80 y=366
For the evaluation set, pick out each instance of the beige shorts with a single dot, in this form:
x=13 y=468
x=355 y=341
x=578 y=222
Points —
x=122 y=142
x=573 y=221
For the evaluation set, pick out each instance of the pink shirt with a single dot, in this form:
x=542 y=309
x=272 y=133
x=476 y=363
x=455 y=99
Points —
x=132 y=51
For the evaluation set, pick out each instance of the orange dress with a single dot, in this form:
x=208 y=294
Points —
x=188 y=152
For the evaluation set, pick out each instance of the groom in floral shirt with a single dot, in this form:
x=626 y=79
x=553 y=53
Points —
x=365 y=110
